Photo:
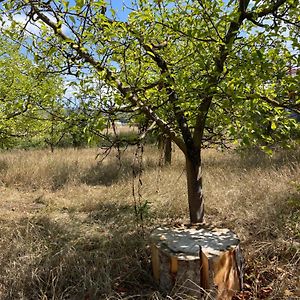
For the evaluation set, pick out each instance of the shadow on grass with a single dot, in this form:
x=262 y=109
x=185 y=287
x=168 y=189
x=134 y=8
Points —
x=70 y=257
x=110 y=172
x=106 y=174
x=254 y=159
x=104 y=213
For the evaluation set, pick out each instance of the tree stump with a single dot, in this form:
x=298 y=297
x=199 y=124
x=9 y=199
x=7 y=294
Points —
x=203 y=261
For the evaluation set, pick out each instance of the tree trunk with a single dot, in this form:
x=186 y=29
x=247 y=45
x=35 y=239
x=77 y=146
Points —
x=194 y=185
x=165 y=146
x=200 y=261
x=168 y=150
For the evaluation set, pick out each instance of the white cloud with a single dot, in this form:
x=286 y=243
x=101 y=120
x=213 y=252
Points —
x=21 y=20
x=32 y=27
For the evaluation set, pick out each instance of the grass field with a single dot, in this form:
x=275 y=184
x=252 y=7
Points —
x=68 y=228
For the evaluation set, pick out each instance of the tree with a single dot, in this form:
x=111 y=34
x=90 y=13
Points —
x=201 y=70
x=25 y=94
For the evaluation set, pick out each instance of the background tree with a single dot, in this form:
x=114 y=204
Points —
x=28 y=97
x=201 y=70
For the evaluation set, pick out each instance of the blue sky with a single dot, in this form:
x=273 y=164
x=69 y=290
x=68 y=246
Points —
x=118 y=5
x=121 y=10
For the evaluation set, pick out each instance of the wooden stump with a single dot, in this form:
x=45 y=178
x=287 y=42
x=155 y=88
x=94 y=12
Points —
x=201 y=260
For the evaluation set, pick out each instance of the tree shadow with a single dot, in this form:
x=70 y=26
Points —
x=108 y=173
x=75 y=256
x=104 y=213
x=254 y=159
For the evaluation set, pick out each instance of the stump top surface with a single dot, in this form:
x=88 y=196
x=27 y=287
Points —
x=187 y=241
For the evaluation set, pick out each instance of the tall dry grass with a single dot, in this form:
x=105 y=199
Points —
x=68 y=228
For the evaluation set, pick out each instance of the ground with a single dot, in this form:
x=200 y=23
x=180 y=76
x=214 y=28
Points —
x=75 y=228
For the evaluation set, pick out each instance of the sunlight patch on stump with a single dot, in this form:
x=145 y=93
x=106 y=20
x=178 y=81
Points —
x=202 y=261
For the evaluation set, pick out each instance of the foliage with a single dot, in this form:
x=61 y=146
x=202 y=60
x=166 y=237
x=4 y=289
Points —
x=185 y=48
x=28 y=97
x=202 y=71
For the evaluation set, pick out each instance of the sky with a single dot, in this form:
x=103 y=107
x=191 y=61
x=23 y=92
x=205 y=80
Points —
x=121 y=7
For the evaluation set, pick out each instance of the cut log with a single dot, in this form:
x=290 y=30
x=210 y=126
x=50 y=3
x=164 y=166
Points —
x=202 y=261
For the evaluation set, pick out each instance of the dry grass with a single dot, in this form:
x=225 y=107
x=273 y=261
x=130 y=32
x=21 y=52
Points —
x=68 y=228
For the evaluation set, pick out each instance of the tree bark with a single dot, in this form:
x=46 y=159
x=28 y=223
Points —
x=200 y=261
x=168 y=150
x=194 y=185
x=165 y=146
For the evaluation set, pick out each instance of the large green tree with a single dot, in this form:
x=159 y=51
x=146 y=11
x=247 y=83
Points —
x=28 y=97
x=200 y=70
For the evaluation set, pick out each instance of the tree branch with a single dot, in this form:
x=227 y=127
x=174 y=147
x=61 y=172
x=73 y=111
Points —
x=172 y=95
x=110 y=78
x=228 y=40
x=292 y=107
x=268 y=10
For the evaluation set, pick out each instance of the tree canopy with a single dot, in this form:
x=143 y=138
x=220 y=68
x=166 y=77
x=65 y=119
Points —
x=28 y=95
x=201 y=71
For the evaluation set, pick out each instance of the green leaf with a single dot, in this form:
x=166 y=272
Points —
x=273 y=125
x=80 y=3
x=72 y=18
x=267 y=150
x=36 y=58
x=66 y=3
x=51 y=51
